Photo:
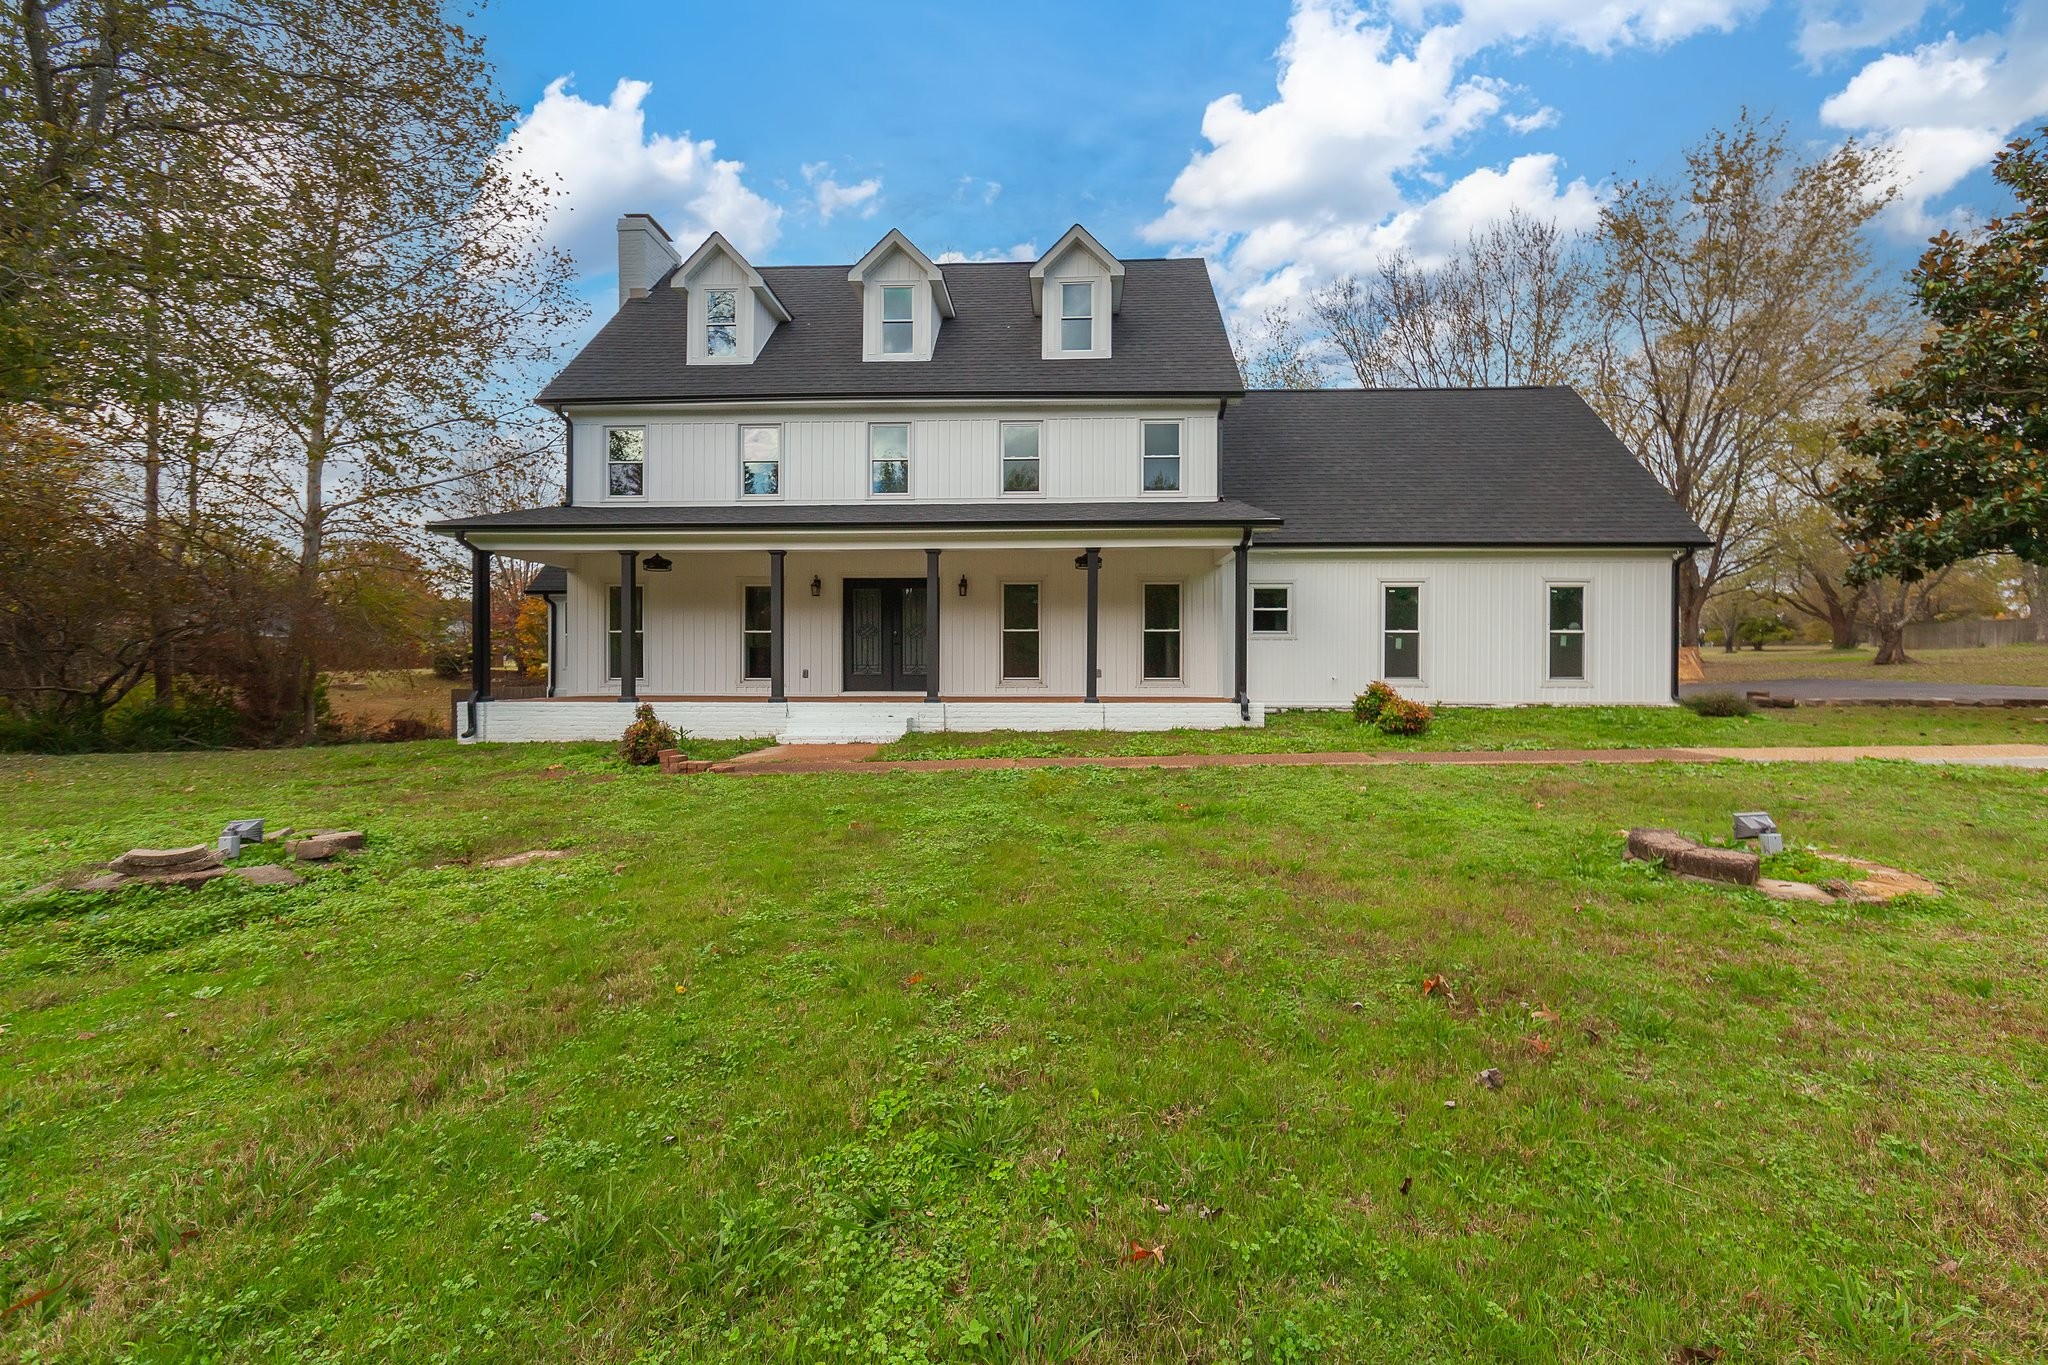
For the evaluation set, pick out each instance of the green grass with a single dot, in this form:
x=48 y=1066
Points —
x=1524 y=727
x=2007 y=665
x=899 y=1067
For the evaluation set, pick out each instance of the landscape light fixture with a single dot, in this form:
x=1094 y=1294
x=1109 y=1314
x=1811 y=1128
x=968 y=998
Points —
x=963 y=585
x=817 y=585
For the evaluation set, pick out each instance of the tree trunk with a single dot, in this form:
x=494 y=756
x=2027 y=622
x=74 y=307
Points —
x=2034 y=584
x=1692 y=601
x=1841 y=626
x=152 y=508
x=302 y=666
x=1890 y=620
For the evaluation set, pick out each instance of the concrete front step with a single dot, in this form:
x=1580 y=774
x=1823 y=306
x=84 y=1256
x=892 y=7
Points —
x=851 y=722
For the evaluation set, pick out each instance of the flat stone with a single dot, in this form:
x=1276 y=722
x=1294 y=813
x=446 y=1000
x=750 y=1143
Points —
x=137 y=860
x=522 y=859
x=312 y=850
x=192 y=877
x=106 y=881
x=268 y=874
x=1681 y=855
x=1778 y=889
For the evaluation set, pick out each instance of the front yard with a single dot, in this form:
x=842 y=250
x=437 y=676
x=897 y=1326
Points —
x=1018 y=1066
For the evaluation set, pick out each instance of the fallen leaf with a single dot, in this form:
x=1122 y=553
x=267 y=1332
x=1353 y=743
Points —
x=85 y=1035
x=1450 y=1104
x=35 y=1298
x=1407 y=1183
x=1158 y=1207
x=1491 y=1078
x=680 y=989
x=1140 y=1253
x=1433 y=983
x=1544 y=1016
x=1698 y=1355
x=1948 y=1267
x=912 y=979
x=1538 y=1045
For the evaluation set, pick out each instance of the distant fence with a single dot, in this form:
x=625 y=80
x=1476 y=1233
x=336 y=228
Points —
x=1968 y=634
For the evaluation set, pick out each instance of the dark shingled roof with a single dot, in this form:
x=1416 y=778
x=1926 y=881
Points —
x=1168 y=340
x=783 y=516
x=550 y=580
x=1520 y=466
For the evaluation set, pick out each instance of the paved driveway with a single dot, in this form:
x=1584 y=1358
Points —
x=1874 y=689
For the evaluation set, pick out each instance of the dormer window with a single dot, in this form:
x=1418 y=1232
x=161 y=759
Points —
x=1077 y=316
x=721 y=322
x=898 y=328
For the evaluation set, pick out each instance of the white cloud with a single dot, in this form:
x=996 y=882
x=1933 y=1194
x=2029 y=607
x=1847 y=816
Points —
x=1946 y=107
x=1344 y=163
x=604 y=162
x=1828 y=28
x=861 y=198
x=975 y=188
x=1022 y=251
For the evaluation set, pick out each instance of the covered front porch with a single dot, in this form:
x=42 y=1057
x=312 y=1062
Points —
x=809 y=637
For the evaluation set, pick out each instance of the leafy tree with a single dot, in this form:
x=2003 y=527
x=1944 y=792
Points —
x=1274 y=354
x=1955 y=453
x=1737 y=299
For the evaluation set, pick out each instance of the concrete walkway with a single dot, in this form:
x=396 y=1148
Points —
x=859 y=758
x=1879 y=691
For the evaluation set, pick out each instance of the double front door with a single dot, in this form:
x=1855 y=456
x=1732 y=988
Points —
x=886 y=639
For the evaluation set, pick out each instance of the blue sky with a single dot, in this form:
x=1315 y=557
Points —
x=1286 y=143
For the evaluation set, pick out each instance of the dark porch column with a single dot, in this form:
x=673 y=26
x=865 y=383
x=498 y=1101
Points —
x=1092 y=560
x=931 y=625
x=629 y=657
x=776 y=689
x=1244 y=623
x=479 y=624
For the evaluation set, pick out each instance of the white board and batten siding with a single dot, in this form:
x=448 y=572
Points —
x=1085 y=454
x=1485 y=624
x=693 y=618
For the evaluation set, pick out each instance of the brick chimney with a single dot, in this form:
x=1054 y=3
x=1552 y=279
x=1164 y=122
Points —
x=645 y=255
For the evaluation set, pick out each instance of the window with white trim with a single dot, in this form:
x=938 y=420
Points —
x=760 y=462
x=1020 y=632
x=898 y=331
x=1077 y=316
x=1162 y=632
x=1401 y=630
x=625 y=461
x=756 y=631
x=1020 y=457
x=611 y=632
x=1162 y=457
x=721 y=322
x=1567 y=632
x=1272 y=609
x=889 y=459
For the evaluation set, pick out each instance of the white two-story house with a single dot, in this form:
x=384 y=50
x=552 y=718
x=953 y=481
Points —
x=836 y=502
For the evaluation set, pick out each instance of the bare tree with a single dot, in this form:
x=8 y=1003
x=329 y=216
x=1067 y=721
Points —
x=1508 y=307
x=1273 y=353
x=1737 y=299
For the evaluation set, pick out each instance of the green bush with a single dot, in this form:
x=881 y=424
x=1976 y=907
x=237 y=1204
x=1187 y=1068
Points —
x=1401 y=716
x=1719 y=704
x=646 y=737
x=201 y=716
x=451 y=662
x=1367 y=705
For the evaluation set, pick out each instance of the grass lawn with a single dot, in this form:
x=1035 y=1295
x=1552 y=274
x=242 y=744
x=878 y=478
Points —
x=909 y=1066
x=2007 y=665
x=1524 y=727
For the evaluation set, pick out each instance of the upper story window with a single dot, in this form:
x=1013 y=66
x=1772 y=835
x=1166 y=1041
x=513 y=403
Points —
x=1020 y=457
x=625 y=461
x=1162 y=457
x=1077 y=316
x=898 y=330
x=721 y=322
x=888 y=459
x=760 y=462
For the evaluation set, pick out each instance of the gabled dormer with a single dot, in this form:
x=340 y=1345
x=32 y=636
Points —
x=903 y=300
x=1076 y=288
x=732 y=311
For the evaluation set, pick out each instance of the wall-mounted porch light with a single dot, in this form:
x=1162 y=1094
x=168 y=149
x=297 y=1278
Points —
x=817 y=585
x=963 y=585
x=656 y=564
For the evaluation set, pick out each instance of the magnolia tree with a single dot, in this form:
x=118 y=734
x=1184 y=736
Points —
x=1954 y=454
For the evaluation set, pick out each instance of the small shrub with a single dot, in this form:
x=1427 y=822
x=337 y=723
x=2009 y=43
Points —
x=451 y=662
x=1719 y=704
x=1367 y=705
x=1401 y=716
x=646 y=737
x=402 y=729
